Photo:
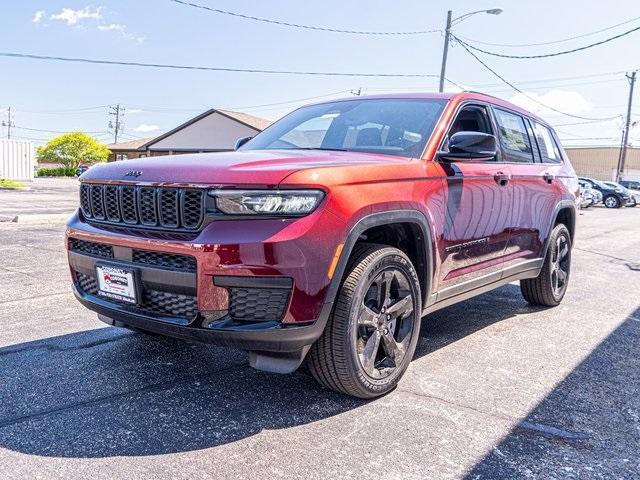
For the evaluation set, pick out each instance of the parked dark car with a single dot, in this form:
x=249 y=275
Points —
x=634 y=188
x=612 y=197
x=633 y=197
x=328 y=236
x=81 y=169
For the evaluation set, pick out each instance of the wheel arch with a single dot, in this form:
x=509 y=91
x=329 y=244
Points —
x=564 y=213
x=422 y=256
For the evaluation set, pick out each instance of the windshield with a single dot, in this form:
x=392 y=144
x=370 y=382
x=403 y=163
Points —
x=390 y=126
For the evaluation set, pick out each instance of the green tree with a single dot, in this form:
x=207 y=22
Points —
x=72 y=149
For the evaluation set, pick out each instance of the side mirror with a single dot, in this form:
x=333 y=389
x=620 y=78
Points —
x=241 y=141
x=470 y=146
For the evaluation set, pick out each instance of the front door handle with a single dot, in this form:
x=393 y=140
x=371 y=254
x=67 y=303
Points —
x=548 y=177
x=501 y=178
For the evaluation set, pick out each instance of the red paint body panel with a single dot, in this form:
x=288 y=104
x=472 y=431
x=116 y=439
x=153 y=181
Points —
x=476 y=226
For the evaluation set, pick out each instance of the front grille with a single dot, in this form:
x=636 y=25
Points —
x=91 y=248
x=172 y=261
x=147 y=207
x=154 y=302
x=165 y=260
x=87 y=284
x=257 y=304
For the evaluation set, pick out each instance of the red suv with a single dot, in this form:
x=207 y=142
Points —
x=328 y=236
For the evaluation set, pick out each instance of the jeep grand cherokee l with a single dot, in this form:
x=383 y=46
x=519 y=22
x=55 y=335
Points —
x=328 y=236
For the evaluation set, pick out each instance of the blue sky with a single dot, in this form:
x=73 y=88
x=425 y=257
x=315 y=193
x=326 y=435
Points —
x=48 y=95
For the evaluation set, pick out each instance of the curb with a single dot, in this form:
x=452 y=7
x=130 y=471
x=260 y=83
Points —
x=36 y=218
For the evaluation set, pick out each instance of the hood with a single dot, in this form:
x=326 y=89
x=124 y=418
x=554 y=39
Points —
x=253 y=167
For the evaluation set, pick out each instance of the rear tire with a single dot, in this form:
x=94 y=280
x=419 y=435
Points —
x=371 y=336
x=549 y=287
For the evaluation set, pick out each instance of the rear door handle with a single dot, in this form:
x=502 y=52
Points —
x=548 y=177
x=501 y=178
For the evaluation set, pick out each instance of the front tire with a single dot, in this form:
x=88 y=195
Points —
x=371 y=336
x=549 y=287
x=612 y=202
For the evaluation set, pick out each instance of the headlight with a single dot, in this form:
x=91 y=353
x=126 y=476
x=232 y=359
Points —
x=293 y=203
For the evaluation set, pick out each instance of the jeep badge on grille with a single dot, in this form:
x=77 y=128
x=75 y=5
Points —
x=133 y=173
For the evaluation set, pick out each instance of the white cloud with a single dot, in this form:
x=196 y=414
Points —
x=38 y=16
x=122 y=30
x=133 y=111
x=564 y=100
x=145 y=128
x=72 y=17
x=111 y=27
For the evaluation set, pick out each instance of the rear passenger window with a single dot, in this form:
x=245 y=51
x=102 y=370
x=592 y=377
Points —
x=516 y=146
x=548 y=149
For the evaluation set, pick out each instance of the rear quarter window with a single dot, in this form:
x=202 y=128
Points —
x=549 y=150
x=514 y=139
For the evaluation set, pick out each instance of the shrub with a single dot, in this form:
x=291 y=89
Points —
x=57 y=172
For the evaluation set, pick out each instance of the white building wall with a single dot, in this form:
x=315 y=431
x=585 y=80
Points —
x=214 y=132
x=16 y=160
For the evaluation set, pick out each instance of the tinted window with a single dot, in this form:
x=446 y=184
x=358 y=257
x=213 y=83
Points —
x=514 y=138
x=390 y=126
x=548 y=149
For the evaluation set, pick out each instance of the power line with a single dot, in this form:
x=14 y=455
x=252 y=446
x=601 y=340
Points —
x=496 y=74
x=51 y=131
x=581 y=123
x=71 y=110
x=298 y=25
x=214 y=69
x=553 y=42
x=546 y=55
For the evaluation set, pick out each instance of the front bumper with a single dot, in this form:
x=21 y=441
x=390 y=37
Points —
x=243 y=254
x=263 y=336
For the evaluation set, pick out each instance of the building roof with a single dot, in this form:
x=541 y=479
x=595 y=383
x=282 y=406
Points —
x=130 y=145
x=250 y=121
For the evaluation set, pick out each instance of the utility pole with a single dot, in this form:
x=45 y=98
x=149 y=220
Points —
x=625 y=141
x=9 y=123
x=445 y=51
x=117 y=126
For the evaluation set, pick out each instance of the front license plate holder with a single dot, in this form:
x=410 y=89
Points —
x=119 y=283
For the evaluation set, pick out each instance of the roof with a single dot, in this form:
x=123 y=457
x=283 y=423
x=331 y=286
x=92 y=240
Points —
x=454 y=97
x=130 y=145
x=250 y=121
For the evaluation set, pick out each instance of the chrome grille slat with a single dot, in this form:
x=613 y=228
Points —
x=142 y=206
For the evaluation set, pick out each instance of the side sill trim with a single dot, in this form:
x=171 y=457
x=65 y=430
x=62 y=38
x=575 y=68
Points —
x=478 y=286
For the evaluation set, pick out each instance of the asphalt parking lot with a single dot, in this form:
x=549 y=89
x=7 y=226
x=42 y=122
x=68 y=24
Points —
x=497 y=388
x=45 y=196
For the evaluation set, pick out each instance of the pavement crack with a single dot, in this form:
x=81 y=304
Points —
x=552 y=432
x=460 y=405
x=55 y=348
x=9 y=422
x=35 y=297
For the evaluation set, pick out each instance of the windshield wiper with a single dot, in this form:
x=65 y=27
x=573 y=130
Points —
x=322 y=148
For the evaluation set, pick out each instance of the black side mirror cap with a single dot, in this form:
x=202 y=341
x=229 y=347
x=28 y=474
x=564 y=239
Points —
x=241 y=141
x=470 y=146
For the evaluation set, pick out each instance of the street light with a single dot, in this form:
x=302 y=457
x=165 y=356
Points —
x=447 y=36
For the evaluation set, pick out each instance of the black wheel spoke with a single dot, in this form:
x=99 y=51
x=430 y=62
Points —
x=392 y=348
x=562 y=275
x=367 y=317
x=370 y=352
x=402 y=307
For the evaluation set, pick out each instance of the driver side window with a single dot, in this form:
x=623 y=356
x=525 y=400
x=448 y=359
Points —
x=471 y=118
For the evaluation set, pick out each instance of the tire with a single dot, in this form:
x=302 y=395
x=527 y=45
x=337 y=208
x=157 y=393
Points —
x=548 y=288
x=612 y=202
x=356 y=354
